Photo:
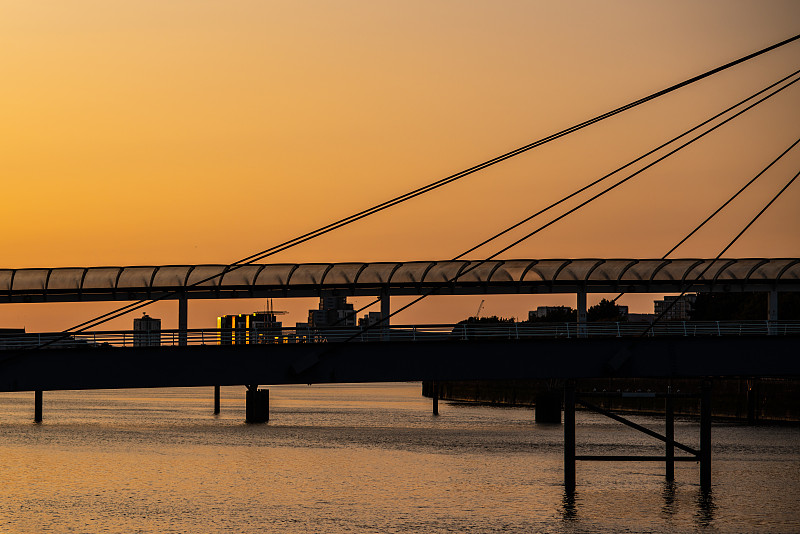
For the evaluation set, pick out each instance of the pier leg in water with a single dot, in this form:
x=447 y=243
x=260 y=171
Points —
x=669 y=413
x=37 y=406
x=216 y=400
x=257 y=404
x=435 y=398
x=569 y=437
x=705 y=437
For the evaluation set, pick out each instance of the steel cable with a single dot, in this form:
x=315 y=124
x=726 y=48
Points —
x=719 y=209
x=412 y=194
x=584 y=203
x=601 y=179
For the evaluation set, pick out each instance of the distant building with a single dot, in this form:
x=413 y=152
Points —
x=332 y=311
x=146 y=332
x=679 y=310
x=249 y=329
x=369 y=319
x=301 y=334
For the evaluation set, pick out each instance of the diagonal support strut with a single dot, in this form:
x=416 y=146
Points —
x=640 y=428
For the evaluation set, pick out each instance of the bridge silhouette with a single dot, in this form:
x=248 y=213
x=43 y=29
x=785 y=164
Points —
x=68 y=360
x=460 y=277
x=432 y=353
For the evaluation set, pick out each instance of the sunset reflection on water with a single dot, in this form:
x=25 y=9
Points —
x=362 y=458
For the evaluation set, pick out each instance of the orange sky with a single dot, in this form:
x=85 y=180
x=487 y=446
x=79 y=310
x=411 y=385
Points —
x=193 y=131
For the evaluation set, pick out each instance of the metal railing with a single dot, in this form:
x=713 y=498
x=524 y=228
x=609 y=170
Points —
x=410 y=333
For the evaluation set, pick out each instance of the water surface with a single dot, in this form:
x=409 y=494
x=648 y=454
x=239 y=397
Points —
x=365 y=458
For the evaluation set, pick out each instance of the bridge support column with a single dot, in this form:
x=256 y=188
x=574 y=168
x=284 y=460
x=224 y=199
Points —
x=773 y=312
x=569 y=437
x=581 y=313
x=37 y=406
x=257 y=404
x=183 y=319
x=385 y=312
x=669 y=433
x=705 y=436
x=216 y=400
x=435 y=395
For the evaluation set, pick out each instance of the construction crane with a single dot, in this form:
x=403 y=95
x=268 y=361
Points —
x=480 y=307
x=271 y=310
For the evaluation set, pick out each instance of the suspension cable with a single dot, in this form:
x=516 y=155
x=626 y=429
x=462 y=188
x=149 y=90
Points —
x=412 y=194
x=581 y=205
x=599 y=180
x=731 y=199
x=584 y=188
x=723 y=251
x=503 y=157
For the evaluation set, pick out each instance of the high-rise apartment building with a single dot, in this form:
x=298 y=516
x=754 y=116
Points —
x=146 y=332
x=332 y=311
x=679 y=310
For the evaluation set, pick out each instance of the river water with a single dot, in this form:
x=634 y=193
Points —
x=363 y=459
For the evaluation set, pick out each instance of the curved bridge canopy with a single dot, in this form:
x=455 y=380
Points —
x=399 y=278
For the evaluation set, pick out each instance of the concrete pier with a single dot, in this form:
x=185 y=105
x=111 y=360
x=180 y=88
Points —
x=569 y=437
x=669 y=433
x=216 y=400
x=257 y=404
x=435 y=398
x=37 y=406
x=705 y=436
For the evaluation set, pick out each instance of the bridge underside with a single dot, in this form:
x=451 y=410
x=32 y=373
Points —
x=676 y=357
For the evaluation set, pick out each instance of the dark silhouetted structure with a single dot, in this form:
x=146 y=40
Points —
x=146 y=332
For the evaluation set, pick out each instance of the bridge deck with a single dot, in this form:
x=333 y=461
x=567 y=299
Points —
x=495 y=359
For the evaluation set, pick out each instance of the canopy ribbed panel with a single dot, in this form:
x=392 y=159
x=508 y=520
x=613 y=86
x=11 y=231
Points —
x=119 y=283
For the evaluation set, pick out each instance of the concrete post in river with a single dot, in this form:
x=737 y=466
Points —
x=569 y=437
x=705 y=436
x=257 y=404
x=37 y=406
